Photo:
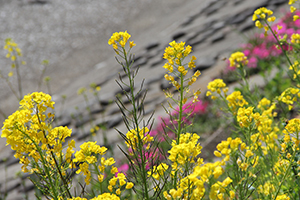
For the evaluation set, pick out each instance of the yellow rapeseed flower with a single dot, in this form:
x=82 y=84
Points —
x=119 y=39
x=237 y=59
x=134 y=136
x=216 y=86
x=295 y=38
x=235 y=101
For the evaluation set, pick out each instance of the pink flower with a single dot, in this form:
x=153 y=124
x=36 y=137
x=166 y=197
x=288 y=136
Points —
x=123 y=168
x=252 y=62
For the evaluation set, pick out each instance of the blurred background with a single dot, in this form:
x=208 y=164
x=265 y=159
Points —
x=71 y=34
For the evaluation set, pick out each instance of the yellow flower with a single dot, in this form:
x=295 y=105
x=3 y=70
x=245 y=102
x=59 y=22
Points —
x=248 y=153
x=295 y=38
x=131 y=44
x=218 y=154
x=293 y=9
x=181 y=69
x=216 y=86
x=235 y=101
x=186 y=151
x=261 y=13
x=129 y=185
x=135 y=136
x=81 y=90
x=158 y=171
x=237 y=59
x=245 y=116
x=289 y=96
x=175 y=55
x=11 y=47
x=120 y=38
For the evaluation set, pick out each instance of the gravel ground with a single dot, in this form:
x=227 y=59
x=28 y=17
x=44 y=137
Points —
x=71 y=34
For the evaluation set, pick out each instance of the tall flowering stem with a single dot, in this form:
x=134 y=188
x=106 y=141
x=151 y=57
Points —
x=265 y=15
x=137 y=139
x=178 y=69
x=239 y=60
x=13 y=52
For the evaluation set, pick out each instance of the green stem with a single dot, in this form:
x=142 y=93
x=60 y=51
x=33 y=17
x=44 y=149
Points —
x=19 y=79
x=285 y=175
x=12 y=89
x=55 y=195
x=285 y=54
x=136 y=124
x=98 y=172
x=180 y=108
x=55 y=161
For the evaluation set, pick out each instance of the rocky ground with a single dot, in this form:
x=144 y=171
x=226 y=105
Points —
x=73 y=36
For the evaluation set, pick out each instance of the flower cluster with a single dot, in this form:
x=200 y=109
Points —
x=187 y=165
x=238 y=59
x=185 y=152
x=175 y=54
x=116 y=183
x=289 y=96
x=88 y=160
x=134 y=136
x=295 y=68
x=291 y=134
x=26 y=129
x=13 y=51
x=119 y=39
x=263 y=48
x=86 y=156
x=104 y=196
x=194 y=173
x=235 y=101
x=215 y=86
x=12 y=48
x=295 y=38
x=158 y=171
x=263 y=14
x=293 y=9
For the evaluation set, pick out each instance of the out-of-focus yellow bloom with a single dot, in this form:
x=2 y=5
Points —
x=237 y=59
x=10 y=74
x=12 y=49
x=289 y=96
x=295 y=38
x=235 y=101
x=263 y=15
x=245 y=116
x=216 y=86
x=293 y=9
x=81 y=90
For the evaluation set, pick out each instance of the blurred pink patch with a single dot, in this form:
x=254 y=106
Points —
x=123 y=169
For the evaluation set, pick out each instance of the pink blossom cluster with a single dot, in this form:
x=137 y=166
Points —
x=167 y=124
x=263 y=47
x=189 y=111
